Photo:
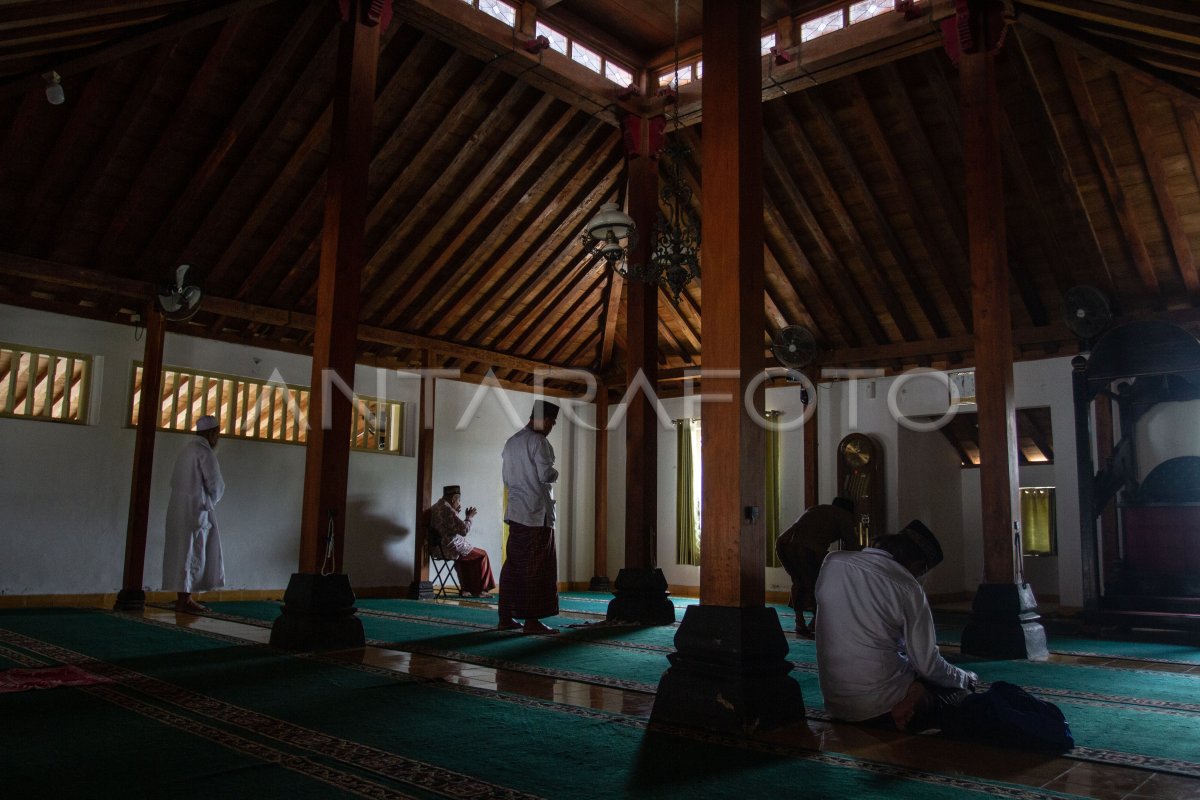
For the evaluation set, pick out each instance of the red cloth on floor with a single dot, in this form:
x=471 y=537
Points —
x=20 y=680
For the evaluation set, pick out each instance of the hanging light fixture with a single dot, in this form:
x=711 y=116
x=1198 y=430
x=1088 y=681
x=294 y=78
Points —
x=675 y=259
x=611 y=233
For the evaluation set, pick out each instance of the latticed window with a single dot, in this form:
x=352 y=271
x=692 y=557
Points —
x=36 y=383
x=270 y=411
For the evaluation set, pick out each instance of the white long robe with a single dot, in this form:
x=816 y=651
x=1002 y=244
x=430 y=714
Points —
x=192 y=549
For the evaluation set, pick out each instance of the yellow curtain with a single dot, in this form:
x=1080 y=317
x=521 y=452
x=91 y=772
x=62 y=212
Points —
x=687 y=528
x=503 y=524
x=771 y=511
x=1037 y=521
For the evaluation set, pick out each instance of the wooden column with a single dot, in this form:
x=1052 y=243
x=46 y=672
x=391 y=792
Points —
x=132 y=596
x=641 y=588
x=1003 y=619
x=421 y=588
x=1108 y=517
x=319 y=599
x=729 y=672
x=600 y=582
x=641 y=335
x=811 y=474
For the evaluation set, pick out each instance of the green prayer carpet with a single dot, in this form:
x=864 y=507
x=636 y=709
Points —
x=188 y=714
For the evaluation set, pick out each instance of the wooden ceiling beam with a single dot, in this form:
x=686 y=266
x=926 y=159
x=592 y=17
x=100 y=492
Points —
x=38 y=270
x=948 y=266
x=786 y=249
x=470 y=194
x=1058 y=29
x=569 y=195
x=608 y=322
x=51 y=175
x=494 y=43
x=284 y=182
x=153 y=165
x=1126 y=214
x=414 y=141
x=1086 y=250
x=168 y=237
x=1177 y=24
x=62 y=13
x=1152 y=158
x=870 y=271
x=83 y=199
x=169 y=29
x=413 y=283
x=530 y=286
x=907 y=272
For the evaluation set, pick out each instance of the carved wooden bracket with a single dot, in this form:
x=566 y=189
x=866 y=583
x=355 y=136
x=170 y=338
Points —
x=371 y=12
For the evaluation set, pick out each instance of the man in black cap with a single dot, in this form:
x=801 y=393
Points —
x=529 y=577
x=877 y=653
x=803 y=546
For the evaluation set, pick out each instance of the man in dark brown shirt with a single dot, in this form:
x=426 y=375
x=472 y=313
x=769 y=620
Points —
x=802 y=548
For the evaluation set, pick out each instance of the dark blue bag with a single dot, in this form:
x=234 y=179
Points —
x=1009 y=716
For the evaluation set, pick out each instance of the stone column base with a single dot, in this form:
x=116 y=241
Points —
x=318 y=614
x=1004 y=624
x=600 y=583
x=421 y=590
x=729 y=673
x=641 y=596
x=130 y=600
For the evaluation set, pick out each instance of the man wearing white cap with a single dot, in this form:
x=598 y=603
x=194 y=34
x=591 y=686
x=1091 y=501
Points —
x=192 y=547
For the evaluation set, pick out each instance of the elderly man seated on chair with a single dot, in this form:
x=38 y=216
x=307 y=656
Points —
x=471 y=564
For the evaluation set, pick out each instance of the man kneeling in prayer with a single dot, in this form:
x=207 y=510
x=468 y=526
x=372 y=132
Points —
x=877 y=653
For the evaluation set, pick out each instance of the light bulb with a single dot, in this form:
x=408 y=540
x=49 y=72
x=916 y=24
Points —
x=54 y=89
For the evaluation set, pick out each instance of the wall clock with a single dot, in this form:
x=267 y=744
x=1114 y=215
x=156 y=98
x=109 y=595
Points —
x=860 y=478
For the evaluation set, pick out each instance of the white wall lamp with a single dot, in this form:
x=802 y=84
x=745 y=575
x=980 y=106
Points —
x=54 y=89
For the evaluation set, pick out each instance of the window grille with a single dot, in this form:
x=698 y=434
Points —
x=36 y=383
x=269 y=411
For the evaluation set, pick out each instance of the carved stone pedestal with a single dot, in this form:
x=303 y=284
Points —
x=641 y=597
x=130 y=600
x=729 y=673
x=421 y=590
x=600 y=583
x=1004 y=624
x=318 y=614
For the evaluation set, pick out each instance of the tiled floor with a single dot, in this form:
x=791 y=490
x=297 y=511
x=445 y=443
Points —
x=1104 y=782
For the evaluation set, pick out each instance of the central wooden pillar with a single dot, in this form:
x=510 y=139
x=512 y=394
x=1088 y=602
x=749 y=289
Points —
x=1004 y=615
x=132 y=596
x=641 y=588
x=729 y=671
x=421 y=587
x=600 y=582
x=318 y=610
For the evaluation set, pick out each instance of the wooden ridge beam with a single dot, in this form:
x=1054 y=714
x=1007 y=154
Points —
x=33 y=269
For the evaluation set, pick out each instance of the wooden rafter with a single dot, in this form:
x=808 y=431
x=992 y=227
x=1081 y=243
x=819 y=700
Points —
x=1102 y=154
x=1152 y=158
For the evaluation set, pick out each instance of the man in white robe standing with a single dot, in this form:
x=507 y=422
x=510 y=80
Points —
x=192 y=549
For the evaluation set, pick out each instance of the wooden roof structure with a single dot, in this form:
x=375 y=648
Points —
x=198 y=132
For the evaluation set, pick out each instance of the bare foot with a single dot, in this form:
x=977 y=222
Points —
x=536 y=627
x=190 y=607
x=508 y=624
x=903 y=712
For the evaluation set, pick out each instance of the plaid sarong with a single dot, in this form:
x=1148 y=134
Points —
x=529 y=577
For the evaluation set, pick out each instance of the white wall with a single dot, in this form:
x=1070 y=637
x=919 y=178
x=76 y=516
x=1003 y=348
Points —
x=65 y=488
x=910 y=461
x=1167 y=430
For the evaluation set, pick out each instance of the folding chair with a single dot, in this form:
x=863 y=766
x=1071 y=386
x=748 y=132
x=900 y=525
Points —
x=443 y=568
